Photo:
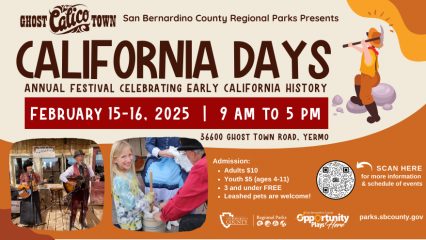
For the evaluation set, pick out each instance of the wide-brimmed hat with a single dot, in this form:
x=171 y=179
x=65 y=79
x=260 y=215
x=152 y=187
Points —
x=189 y=144
x=78 y=153
x=27 y=164
x=373 y=33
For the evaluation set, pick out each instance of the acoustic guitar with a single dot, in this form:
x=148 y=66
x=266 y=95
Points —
x=24 y=193
x=80 y=183
x=24 y=190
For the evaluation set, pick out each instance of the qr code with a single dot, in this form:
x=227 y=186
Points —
x=335 y=180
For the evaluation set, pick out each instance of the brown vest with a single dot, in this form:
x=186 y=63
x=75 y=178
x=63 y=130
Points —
x=76 y=171
x=86 y=175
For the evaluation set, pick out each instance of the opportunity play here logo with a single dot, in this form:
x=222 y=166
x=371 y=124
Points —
x=323 y=220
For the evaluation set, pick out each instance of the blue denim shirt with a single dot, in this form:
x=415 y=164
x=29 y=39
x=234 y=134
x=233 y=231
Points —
x=161 y=143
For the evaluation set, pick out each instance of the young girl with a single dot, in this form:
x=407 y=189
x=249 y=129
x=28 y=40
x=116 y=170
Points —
x=129 y=200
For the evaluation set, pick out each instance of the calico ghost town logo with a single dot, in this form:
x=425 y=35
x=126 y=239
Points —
x=69 y=19
x=65 y=19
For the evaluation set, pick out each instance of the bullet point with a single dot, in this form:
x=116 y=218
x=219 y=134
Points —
x=218 y=188
x=218 y=171
x=218 y=179
x=218 y=196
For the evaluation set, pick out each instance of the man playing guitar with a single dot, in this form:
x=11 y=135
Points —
x=80 y=196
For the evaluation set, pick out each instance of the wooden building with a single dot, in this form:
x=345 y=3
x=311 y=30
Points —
x=51 y=157
x=140 y=152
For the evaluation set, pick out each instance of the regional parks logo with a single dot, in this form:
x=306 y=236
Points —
x=323 y=220
x=227 y=219
x=271 y=221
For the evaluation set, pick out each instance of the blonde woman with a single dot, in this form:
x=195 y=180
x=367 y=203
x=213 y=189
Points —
x=129 y=200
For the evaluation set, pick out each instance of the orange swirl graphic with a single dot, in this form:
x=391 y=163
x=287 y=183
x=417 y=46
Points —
x=407 y=18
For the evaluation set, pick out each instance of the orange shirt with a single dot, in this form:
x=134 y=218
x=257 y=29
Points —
x=370 y=69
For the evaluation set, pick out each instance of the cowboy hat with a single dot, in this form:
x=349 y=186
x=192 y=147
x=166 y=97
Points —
x=78 y=153
x=373 y=33
x=27 y=164
x=189 y=144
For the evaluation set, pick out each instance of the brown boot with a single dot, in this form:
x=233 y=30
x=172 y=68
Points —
x=372 y=109
x=72 y=224
x=72 y=219
x=84 y=225
x=356 y=99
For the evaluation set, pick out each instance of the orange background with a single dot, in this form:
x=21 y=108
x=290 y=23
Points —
x=401 y=144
